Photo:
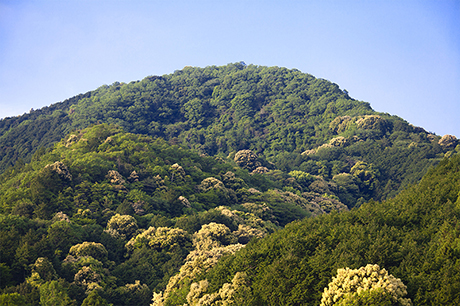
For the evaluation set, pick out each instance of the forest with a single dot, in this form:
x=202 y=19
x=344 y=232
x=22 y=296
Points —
x=288 y=118
x=231 y=185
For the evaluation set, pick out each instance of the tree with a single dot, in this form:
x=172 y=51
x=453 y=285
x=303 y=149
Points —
x=304 y=179
x=235 y=293
x=12 y=299
x=247 y=159
x=160 y=238
x=365 y=286
x=54 y=294
x=93 y=249
x=367 y=298
x=43 y=271
x=94 y=299
x=213 y=235
x=122 y=226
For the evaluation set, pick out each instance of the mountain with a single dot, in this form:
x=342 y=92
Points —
x=292 y=120
x=236 y=184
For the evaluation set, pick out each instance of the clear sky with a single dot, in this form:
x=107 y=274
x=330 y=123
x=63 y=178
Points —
x=403 y=57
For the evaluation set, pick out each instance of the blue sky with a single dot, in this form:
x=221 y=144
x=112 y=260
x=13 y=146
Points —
x=403 y=57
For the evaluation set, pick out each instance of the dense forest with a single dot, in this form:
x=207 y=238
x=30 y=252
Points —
x=290 y=119
x=115 y=213
x=415 y=237
x=232 y=185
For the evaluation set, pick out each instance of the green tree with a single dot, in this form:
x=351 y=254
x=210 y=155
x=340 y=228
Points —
x=54 y=294
x=94 y=299
x=12 y=299
x=368 y=298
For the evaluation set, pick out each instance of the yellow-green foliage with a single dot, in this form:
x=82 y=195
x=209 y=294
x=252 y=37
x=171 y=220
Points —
x=42 y=271
x=88 y=278
x=211 y=183
x=350 y=282
x=211 y=242
x=234 y=293
x=339 y=141
x=115 y=177
x=414 y=236
x=340 y=124
x=159 y=238
x=61 y=169
x=122 y=226
x=372 y=122
x=12 y=299
x=249 y=226
x=93 y=249
x=53 y=294
x=247 y=159
x=177 y=173
x=213 y=235
x=197 y=262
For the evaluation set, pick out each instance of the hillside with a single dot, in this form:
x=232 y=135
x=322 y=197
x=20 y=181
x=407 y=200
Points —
x=115 y=213
x=415 y=237
x=112 y=217
x=290 y=119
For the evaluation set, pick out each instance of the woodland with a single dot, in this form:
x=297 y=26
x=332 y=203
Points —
x=230 y=185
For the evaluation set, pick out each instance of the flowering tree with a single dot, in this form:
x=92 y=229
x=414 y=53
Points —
x=93 y=249
x=122 y=226
x=367 y=285
x=247 y=159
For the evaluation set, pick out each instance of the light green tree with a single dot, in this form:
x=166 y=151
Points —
x=42 y=271
x=53 y=294
x=213 y=235
x=367 y=285
x=122 y=226
x=12 y=299
x=94 y=299
x=93 y=249
x=234 y=293
x=159 y=238
x=246 y=159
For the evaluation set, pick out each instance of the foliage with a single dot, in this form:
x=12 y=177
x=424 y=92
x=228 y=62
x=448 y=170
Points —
x=349 y=285
x=53 y=294
x=122 y=226
x=94 y=299
x=93 y=249
x=112 y=216
x=413 y=237
x=12 y=299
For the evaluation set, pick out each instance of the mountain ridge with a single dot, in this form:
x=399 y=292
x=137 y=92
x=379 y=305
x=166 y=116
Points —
x=277 y=113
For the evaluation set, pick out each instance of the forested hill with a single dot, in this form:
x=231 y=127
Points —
x=289 y=118
x=194 y=188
